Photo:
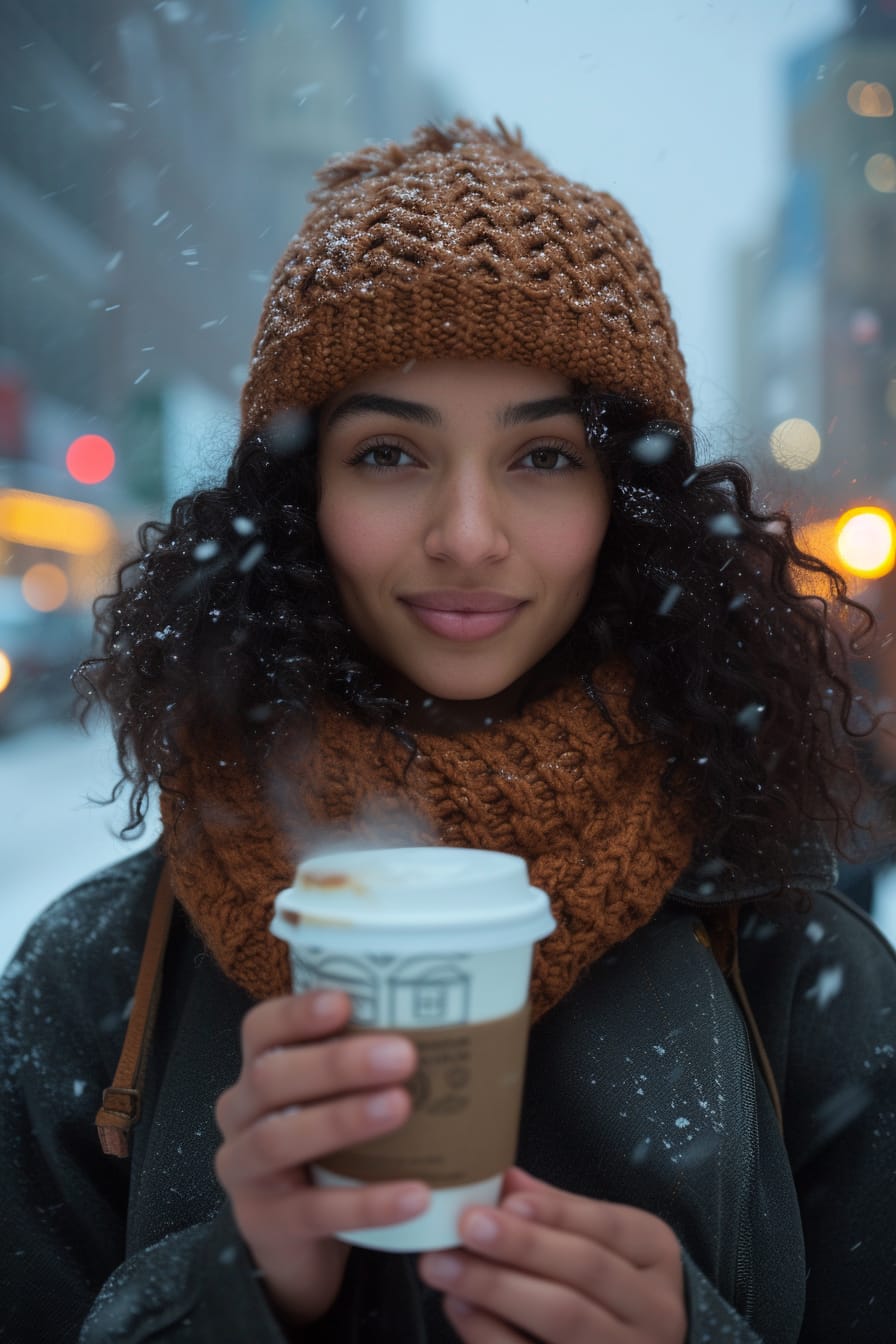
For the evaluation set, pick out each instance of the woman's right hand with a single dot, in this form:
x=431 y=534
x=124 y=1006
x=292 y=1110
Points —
x=301 y=1096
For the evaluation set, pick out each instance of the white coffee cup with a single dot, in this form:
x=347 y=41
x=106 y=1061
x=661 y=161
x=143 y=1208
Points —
x=435 y=943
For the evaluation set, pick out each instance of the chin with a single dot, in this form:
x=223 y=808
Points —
x=463 y=694
x=464 y=688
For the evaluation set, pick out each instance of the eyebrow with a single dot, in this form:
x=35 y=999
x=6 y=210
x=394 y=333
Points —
x=360 y=403
x=524 y=413
x=527 y=411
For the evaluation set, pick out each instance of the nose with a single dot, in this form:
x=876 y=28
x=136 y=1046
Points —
x=466 y=523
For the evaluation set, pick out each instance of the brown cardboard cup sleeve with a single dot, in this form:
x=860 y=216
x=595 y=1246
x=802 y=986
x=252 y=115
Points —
x=466 y=1097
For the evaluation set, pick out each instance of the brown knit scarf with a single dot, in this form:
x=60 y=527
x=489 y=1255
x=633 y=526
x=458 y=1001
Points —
x=556 y=785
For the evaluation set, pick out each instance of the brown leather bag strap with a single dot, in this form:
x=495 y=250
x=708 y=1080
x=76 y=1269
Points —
x=120 y=1110
x=721 y=925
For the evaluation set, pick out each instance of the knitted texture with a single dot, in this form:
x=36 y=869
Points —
x=579 y=800
x=462 y=244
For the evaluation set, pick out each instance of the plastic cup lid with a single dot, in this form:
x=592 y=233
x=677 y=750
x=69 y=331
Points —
x=384 y=893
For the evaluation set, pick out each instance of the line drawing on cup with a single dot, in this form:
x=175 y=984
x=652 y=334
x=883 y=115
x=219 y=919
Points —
x=354 y=975
x=419 y=991
x=429 y=991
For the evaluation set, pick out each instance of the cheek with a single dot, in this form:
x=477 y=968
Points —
x=569 y=547
x=358 y=542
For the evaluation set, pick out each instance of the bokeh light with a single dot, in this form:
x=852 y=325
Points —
x=90 y=459
x=864 y=326
x=44 y=586
x=795 y=444
x=5 y=671
x=866 y=541
x=880 y=172
x=870 y=100
x=30 y=519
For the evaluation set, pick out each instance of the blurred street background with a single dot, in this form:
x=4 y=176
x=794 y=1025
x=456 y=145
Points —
x=154 y=162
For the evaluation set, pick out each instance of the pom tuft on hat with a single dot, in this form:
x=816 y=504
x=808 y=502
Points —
x=462 y=244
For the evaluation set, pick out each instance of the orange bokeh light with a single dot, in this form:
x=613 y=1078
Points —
x=90 y=459
x=866 y=541
x=44 y=587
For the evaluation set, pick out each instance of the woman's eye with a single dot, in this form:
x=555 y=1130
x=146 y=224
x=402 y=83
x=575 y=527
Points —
x=549 y=459
x=382 y=455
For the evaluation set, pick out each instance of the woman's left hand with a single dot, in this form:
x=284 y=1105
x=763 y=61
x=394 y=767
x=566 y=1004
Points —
x=573 y=1271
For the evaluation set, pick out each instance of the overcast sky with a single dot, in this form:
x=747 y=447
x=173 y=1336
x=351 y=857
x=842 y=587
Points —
x=675 y=106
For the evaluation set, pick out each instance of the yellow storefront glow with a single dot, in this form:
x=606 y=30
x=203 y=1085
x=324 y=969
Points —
x=48 y=522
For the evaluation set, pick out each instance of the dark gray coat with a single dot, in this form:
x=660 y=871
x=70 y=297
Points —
x=641 y=1088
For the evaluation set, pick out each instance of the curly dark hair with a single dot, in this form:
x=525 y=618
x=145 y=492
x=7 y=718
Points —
x=230 y=614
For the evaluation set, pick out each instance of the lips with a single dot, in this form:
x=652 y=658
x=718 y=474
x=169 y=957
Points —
x=464 y=615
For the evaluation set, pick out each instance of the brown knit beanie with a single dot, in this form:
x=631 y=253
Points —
x=462 y=244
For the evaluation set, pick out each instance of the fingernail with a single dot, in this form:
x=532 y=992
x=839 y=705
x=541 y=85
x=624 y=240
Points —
x=326 y=1004
x=443 y=1267
x=458 y=1307
x=389 y=1055
x=480 y=1227
x=521 y=1207
x=412 y=1201
x=381 y=1106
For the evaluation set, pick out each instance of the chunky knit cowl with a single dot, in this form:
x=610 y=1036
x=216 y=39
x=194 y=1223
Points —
x=576 y=796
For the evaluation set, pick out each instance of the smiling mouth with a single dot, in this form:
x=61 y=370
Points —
x=461 y=623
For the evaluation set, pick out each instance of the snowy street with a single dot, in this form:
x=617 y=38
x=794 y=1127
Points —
x=52 y=834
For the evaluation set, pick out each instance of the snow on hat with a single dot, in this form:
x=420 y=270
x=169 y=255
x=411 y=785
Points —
x=462 y=244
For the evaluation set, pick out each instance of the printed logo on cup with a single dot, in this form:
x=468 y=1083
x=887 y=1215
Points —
x=391 y=991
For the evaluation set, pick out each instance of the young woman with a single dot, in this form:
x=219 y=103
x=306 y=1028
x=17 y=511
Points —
x=465 y=583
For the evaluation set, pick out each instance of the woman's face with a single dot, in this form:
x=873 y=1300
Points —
x=462 y=512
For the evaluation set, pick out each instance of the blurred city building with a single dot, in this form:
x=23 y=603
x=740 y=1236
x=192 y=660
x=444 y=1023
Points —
x=816 y=323
x=817 y=298
x=154 y=162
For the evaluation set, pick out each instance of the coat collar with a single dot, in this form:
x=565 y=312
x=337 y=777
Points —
x=711 y=882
